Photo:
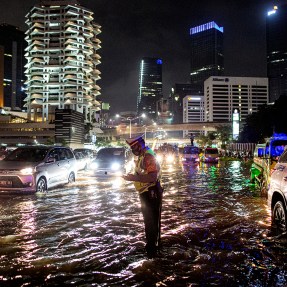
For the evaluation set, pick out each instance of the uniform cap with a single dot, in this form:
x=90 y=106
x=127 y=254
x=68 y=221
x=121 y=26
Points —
x=134 y=140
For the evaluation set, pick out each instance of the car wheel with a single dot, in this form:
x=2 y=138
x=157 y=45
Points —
x=279 y=217
x=41 y=185
x=71 y=178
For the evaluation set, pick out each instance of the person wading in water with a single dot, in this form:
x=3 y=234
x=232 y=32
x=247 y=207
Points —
x=147 y=182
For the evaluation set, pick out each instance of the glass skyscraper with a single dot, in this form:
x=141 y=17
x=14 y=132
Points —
x=207 y=57
x=12 y=62
x=150 y=86
x=276 y=35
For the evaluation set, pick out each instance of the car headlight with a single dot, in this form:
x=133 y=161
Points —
x=159 y=157
x=94 y=165
x=115 y=166
x=170 y=158
x=27 y=171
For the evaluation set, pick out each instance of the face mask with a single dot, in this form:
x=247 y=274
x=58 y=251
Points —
x=136 y=151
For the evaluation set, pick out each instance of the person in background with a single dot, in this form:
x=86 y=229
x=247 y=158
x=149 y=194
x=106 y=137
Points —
x=147 y=182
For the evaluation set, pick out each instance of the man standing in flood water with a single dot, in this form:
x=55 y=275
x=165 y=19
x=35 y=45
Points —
x=147 y=182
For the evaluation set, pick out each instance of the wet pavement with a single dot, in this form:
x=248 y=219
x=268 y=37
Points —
x=215 y=232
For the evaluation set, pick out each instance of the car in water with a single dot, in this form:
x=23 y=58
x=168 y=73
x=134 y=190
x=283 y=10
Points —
x=37 y=168
x=210 y=155
x=190 y=154
x=277 y=195
x=265 y=158
x=112 y=161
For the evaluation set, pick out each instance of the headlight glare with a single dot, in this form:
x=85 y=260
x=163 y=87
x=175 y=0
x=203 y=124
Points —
x=27 y=171
x=115 y=166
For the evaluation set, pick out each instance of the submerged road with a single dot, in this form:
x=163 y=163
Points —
x=215 y=232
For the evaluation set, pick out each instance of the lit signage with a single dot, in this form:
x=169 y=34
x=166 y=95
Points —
x=235 y=124
x=271 y=12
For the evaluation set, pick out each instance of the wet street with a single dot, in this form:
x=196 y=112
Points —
x=215 y=232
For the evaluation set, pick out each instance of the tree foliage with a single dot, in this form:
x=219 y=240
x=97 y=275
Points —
x=268 y=119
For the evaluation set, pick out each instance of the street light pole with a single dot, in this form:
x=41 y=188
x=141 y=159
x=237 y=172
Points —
x=130 y=127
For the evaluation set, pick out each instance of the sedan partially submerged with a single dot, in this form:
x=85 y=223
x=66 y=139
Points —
x=112 y=161
x=37 y=168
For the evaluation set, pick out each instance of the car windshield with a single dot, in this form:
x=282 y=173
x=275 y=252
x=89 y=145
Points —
x=191 y=150
x=27 y=154
x=211 y=151
x=110 y=154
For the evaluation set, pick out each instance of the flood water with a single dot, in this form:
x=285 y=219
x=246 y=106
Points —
x=215 y=232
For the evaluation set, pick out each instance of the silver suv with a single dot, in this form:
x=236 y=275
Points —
x=277 y=194
x=37 y=168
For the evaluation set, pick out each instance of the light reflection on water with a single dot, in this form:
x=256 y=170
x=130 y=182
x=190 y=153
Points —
x=215 y=231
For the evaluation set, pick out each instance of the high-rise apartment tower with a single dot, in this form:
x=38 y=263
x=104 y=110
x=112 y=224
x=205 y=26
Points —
x=62 y=60
x=206 y=54
x=276 y=35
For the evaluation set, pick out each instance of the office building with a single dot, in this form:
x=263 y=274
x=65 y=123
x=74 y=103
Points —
x=207 y=57
x=276 y=35
x=12 y=62
x=178 y=93
x=224 y=95
x=150 y=87
x=62 y=55
x=193 y=110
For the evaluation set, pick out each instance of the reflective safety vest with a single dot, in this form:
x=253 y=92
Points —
x=141 y=169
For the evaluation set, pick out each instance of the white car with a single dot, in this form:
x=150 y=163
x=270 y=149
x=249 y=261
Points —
x=37 y=168
x=277 y=194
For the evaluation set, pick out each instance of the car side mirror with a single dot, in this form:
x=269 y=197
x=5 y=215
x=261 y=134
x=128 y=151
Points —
x=51 y=159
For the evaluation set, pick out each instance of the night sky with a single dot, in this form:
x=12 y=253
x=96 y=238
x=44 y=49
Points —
x=132 y=29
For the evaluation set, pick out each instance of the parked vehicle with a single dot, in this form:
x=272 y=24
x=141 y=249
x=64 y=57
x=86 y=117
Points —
x=112 y=161
x=190 y=154
x=264 y=160
x=277 y=194
x=210 y=155
x=37 y=168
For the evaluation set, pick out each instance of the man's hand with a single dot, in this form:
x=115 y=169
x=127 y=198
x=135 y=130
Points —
x=129 y=177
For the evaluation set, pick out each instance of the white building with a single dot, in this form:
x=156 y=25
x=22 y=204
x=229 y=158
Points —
x=222 y=95
x=193 y=110
x=62 y=60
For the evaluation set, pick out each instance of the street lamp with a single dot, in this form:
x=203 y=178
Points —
x=130 y=119
x=146 y=127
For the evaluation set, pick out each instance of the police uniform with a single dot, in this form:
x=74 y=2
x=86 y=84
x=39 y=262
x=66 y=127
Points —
x=150 y=194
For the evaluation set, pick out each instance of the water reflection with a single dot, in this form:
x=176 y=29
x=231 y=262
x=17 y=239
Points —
x=215 y=231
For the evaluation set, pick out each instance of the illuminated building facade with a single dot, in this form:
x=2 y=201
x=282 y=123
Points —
x=62 y=60
x=178 y=92
x=206 y=54
x=150 y=87
x=193 y=110
x=223 y=95
x=12 y=61
x=276 y=35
